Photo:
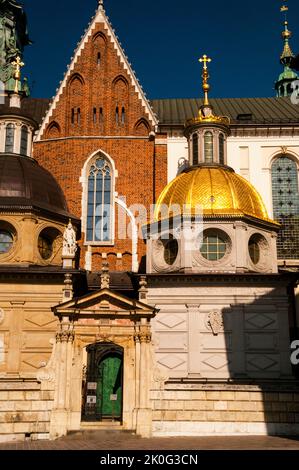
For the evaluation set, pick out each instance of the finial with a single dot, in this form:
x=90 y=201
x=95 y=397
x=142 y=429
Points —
x=205 y=77
x=101 y=4
x=143 y=288
x=17 y=64
x=287 y=53
x=105 y=276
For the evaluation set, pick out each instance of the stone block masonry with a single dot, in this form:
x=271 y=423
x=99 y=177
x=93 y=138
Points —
x=225 y=409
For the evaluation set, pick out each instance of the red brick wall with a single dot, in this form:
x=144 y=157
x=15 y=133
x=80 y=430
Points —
x=141 y=165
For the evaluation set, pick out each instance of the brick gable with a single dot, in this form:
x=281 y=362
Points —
x=100 y=106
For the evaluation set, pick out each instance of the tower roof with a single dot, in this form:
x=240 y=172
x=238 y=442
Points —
x=283 y=84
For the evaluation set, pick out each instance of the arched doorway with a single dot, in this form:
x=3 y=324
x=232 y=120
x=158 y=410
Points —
x=103 y=385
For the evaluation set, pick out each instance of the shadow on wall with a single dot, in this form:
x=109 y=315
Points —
x=223 y=347
x=258 y=337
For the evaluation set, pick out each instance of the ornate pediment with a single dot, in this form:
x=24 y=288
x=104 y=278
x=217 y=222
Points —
x=104 y=303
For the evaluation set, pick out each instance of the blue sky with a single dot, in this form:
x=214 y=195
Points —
x=163 y=40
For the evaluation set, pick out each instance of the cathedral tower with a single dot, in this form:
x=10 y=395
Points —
x=283 y=85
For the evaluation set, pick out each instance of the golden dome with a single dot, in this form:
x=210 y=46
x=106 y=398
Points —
x=218 y=190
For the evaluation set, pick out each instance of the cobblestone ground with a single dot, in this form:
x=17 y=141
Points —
x=107 y=441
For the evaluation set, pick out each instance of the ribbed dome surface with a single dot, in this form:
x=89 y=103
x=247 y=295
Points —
x=23 y=182
x=218 y=190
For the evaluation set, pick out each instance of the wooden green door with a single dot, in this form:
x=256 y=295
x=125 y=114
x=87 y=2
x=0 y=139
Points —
x=109 y=390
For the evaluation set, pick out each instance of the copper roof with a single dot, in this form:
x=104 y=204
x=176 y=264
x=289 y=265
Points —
x=24 y=183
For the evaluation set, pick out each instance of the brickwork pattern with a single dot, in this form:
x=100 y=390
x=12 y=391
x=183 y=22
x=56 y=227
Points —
x=99 y=86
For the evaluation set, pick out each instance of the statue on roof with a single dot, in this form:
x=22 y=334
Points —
x=69 y=241
x=13 y=36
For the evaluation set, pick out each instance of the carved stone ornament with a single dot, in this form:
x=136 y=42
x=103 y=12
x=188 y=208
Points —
x=215 y=322
x=160 y=377
x=2 y=315
x=47 y=373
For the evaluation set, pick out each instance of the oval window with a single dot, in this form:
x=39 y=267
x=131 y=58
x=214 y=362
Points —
x=45 y=247
x=171 y=249
x=254 y=248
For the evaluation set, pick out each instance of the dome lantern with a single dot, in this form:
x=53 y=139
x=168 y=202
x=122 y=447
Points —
x=207 y=133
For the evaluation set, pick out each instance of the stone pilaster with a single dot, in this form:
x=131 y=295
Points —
x=64 y=348
x=144 y=412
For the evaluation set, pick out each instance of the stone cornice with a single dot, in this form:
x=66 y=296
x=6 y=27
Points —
x=203 y=279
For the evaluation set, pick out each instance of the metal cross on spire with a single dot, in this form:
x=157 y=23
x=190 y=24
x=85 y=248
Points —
x=205 y=77
x=17 y=64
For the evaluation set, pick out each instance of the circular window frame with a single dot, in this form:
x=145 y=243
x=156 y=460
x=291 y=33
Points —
x=263 y=245
x=8 y=227
x=224 y=235
x=158 y=253
x=53 y=234
x=166 y=242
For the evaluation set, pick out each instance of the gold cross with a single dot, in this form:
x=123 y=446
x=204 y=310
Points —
x=18 y=64
x=205 y=59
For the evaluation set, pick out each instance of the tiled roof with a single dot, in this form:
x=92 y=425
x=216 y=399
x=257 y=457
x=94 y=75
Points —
x=177 y=111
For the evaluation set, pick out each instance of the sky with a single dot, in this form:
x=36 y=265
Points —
x=164 y=39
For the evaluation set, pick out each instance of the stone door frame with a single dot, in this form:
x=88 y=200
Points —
x=103 y=316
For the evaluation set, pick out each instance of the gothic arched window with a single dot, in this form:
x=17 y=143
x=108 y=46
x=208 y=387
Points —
x=100 y=203
x=195 y=149
x=286 y=206
x=209 y=147
x=10 y=138
x=221 y=149
x=24 y=141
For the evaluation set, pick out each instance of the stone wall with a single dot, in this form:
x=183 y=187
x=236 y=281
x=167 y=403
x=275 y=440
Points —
x=225 y=409
x=24 y=410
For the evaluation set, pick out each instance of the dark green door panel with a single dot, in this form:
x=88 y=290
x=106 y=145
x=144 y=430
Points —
x=109 y=390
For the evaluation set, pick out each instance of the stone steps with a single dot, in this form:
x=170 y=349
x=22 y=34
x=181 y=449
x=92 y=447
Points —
x=99 y=431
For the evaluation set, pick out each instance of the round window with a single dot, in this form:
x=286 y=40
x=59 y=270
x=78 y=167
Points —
x=45 y=247
x=6 y=241
x=214 y=245
x=254 y=250
x=171 y=249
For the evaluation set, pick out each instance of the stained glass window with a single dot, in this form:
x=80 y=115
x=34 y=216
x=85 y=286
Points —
x=286 y=206
x=6 y=241
x=99 y=209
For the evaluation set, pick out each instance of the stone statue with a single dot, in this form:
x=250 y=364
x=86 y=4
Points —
x=13 y=36
x=69 y=241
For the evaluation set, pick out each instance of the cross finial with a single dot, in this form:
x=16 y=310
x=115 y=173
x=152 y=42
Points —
x=205 y=76
x=205 y=59
x=17 y=64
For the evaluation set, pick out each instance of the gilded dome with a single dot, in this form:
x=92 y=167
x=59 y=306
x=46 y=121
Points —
x=217 y=189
